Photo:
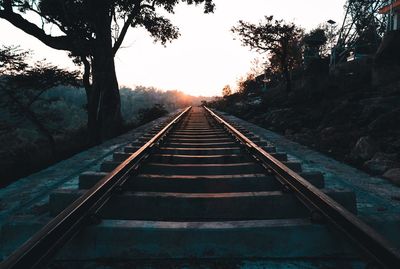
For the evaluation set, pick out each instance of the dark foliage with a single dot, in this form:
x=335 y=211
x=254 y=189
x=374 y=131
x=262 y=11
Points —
x=149 y=114
x=22 y=86
x=316 y=38
x=282 y=41
x=331 y=113
x=314 y=42
x=24 y=150
x=93 y=31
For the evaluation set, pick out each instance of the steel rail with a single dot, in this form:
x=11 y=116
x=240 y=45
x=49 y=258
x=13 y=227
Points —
x=374 y=245
x=37 y=251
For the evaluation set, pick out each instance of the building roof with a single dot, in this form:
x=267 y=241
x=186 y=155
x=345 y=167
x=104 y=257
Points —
x=395 y=5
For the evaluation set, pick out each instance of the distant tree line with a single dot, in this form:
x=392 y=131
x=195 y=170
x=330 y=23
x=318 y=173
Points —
x=43 y=112
x=93 y=31
x=49 y=99
x=23 y=85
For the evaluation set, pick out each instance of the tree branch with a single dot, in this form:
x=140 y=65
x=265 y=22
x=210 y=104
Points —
x=122 y=35
x=86 y=74
x=136 y=11
x=49 y=19
x=58 y=42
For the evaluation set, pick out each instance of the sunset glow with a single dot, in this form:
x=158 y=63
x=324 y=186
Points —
x=205 y=57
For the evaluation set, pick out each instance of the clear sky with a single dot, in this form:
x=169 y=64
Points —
x=205 y=57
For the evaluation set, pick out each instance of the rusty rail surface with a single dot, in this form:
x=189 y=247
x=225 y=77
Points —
x=374 y=245
x=36 y=252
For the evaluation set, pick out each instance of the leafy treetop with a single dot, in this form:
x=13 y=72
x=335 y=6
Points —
x=77 y=21
x=281 y=40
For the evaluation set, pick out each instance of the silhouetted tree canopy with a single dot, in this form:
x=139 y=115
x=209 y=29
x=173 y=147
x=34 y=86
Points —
x=281 y=40
x=331 y=33
x=150 y=114
x=315 y=38
x=248 y=86
x=78 y=21
x=93 y=31
x=22 y=86
x=314 y=42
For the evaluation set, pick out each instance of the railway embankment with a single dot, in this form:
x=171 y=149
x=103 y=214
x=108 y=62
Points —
x=204 y=192
x=375 y=195
x=30 y=195
x=346 y=115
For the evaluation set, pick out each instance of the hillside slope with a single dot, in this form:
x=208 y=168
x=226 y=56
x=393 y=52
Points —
x=351 y=113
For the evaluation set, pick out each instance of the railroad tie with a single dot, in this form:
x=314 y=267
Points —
x=199 y=187
x=201 y=175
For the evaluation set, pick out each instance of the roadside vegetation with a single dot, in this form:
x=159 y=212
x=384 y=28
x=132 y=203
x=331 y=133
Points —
x=43 y=112
x=93 y=32
x=306 y=90
x=347 y=109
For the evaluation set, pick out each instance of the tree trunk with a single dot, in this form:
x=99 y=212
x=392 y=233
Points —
x=284 y=58
x=288 y=80
x=104 y=106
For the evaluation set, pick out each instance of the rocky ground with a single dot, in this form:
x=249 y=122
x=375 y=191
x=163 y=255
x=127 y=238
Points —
x=351 y=113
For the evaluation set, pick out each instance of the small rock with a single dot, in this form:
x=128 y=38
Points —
x=364 y=149
x=328 y=131
x=288 y=132
x=380 y=163
x=393 y=175
x=384 y=122
x=40 y=209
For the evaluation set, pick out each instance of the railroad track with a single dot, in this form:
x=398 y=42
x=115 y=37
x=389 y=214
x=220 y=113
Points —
x=195 y=188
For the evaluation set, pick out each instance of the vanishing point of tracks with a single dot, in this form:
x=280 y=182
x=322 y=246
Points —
x=198 y=187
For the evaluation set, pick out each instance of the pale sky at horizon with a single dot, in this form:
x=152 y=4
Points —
x=205 y=57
